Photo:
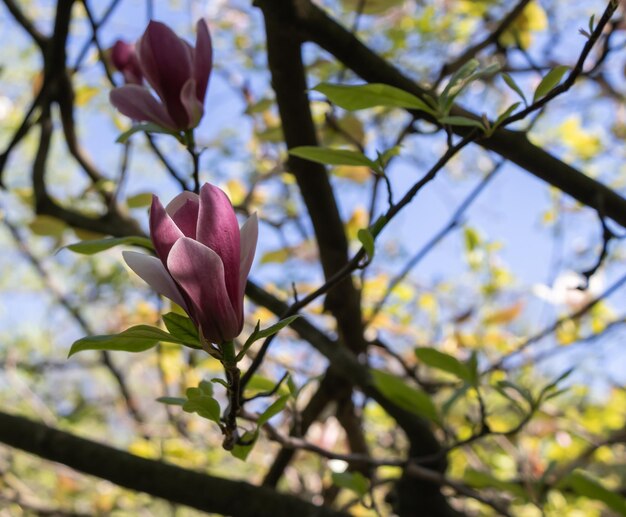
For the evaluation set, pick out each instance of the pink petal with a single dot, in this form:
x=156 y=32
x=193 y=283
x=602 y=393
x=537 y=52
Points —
x=203 y=59
x=136 y=102
x=124 y=58
x=183 y=210
x=218 y=229
x=153 y=272
x=193 y=106
x=200 y=273
x=249 y=238
x=163 y=230
x=173 y=206
x=166 y=61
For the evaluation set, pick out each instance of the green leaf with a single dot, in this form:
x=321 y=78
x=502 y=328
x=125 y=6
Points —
x=47 y=226
x=332 y=156
x=182 y=328
x=523 y=392
x=172 y=401
x=276 y=407
x=405 y=396
x=200 y=401
x=479 y=479
x=96 y=246
x=147 y=127
x=364 y=96
x=241 y=452
x=354 y=481
x=259 y=384
x=462 y=121
x=552 y=78
x=445 y=362
x=456 y=82
x=367 y=239
x=134 y=339
x=504 y=115
x=585 y=486
x=140 y=200
x=260 y=334
x=206 y=407
x=291 y=385
x=514 y=86
x=472 y=239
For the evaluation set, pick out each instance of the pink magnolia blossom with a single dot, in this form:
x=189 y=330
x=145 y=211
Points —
x=178 y=73
x=124 y=59
x=203 y=259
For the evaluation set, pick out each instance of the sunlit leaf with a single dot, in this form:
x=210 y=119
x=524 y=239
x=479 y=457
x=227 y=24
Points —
x=96 y=246
x=147 y=127
x=248 y=439
x=515 y=87
x=134 y=339
x=354 y=481
x=364 y=96
x=276 y=407
x=259 y=333
x=445 y=362
x=585 y=486
x=141 y=200
x=182 y=328
x=552 y=78
x=332 y=156
x=365 y=237
x=408 y=398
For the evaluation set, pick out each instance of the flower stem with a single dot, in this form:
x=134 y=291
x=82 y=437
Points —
x=195 y=156
x=233 y=375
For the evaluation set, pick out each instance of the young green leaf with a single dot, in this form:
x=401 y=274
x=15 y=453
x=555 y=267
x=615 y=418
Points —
x=447 y=363
x=98 y=245
x=260 y=334
x=405 y=396
x=259 y=384
x=205 y=406
x=366 y=238
x=461 y=121
x=276 y=407
x=172 y=401
x=332 y=156
x=552 y=78
x=364 y=96
x=585 y=486
x=456 y=81
x=514 y=86
x=147 y=127
x=242 y=449
x=354 y=481
x=478 y=479
x=134 y=339
x=503 y=116
x=182 y=328
x=141 y=200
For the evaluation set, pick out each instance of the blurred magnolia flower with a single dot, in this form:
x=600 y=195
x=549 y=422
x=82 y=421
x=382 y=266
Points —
x=178 y=73
x=203 y=259
x=567 y=290
x=124 y=59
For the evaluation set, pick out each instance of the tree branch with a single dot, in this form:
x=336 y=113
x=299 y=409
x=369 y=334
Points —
x=160 y=479
x=316 y=26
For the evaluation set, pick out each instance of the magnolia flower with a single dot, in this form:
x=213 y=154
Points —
x=124 y=59
x=203 y=259
x=178 y=73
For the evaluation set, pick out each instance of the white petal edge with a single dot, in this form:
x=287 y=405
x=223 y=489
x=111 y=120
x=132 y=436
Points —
x=153 y=272
x=173 y=206
x=249 y=236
